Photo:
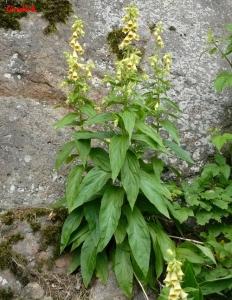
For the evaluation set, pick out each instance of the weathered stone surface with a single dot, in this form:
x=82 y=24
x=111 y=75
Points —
x=108 y=291
x=33 y=65
x=30 y=267
x=33 y=291
x=28 y=144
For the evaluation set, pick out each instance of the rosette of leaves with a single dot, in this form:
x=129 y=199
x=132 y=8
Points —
x=118 y=203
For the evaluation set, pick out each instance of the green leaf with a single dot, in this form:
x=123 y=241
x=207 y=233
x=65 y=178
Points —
x=158 y=166
x=163 y=240
x=220 y=140
x=180 y=213
x=117 y=151
x=110 y=213
x=164 y=294
x=79 y=237
x=130 y=177
x=83 y=147
x=100 y=158
x=100 y=118
x=120 y=232
x=123 y=269
x=75 y=261
x=225 y=170
x=139 y=239
x=223 y=80
x=216 y=285
x=171 y=129
x=102 y=267
x=72 y=185
x=64 y=153
x=150 y=132
x=128 y=118
x=150 y=188
x=88 y=259
x=146 y=140
x=69 y=119
x=85 y=135
x=92 y=183
x=181 y=153
x=189 y=255
x=71 y=223
x=207 y=252
x=88 y=110
x=190 y=283
x=159 y=263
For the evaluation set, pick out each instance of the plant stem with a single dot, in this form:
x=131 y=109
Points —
x=184 y=239
x=223 y=54
x=143 y=290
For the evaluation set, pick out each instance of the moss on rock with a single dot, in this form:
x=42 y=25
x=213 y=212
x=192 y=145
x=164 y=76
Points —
x=54 y=11
x=114 y=38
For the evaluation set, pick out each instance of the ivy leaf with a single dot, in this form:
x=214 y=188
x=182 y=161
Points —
x=171 y=129
x=128 y=118
x=117 y=151
x=88 y=259
x=71 y=223
x=220 y=140
x=100 y=158
x=223 y=80
x=64 y=153
x=139 y=239
x=123 y=268
x=92 y=183
x=110 y=213
x=150 y=190
x=181 y=153
x=69 y=119
x=130 y=177
x=72 y=185
x=102 y=267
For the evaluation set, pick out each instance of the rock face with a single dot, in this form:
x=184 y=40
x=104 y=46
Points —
x=32 y=64
x=28 y=144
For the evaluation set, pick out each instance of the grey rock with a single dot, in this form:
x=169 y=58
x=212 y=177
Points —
x=33 y=64
x=47 y=298
x=108 y=291
x=28 y=147
x=33 y=291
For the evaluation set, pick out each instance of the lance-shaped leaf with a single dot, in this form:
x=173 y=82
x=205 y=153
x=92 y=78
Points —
x=150 y=132
x=153 y=191
x=181 y=153
x=110 y=213
x=69 y=119
x=64 y=153
x=93 y=182
x=128 y=118
x=117 y=150
x=100 y=158
x=72 y=185
x=123 y=268
x=130 y=177
x=139 y=238
x=171 y=129
x=100 y=118
x=70 y=225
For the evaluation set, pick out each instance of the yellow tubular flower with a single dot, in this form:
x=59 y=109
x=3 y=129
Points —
x=173 y=279
x=130 y=26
